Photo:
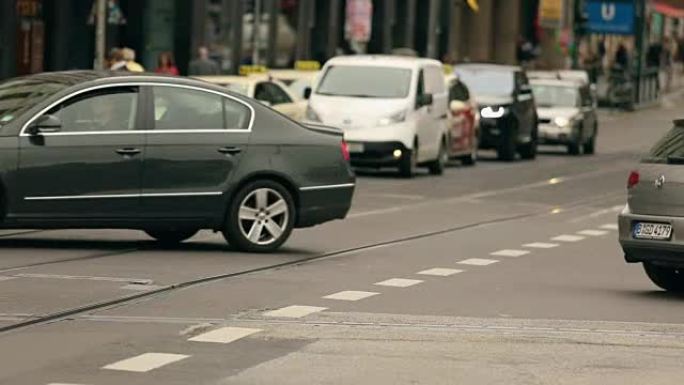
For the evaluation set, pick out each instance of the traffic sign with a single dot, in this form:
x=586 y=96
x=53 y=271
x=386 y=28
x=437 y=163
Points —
x=610 y=17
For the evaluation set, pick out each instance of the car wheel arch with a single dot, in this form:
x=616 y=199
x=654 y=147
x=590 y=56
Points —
x=279 y=178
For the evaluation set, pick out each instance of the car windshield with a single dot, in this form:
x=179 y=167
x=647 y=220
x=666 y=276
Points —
x=19 y=95
x=238 y=88
x=669 y=147
x=488 y=82
x=366 y=82
x=555 y=95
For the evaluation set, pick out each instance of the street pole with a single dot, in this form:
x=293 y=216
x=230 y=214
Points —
x=256 y=30
x=100 y=34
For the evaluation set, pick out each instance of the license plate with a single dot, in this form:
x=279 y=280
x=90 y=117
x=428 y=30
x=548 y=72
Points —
x=652 y=231
x=355 y=147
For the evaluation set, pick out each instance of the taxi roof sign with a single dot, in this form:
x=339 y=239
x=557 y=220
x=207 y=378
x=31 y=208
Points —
x=448 y=69
x=252 y=69
x=307 y=65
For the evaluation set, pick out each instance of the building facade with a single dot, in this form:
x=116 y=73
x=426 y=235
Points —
x=46 y=35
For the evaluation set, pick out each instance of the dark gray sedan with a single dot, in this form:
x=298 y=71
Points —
x=168 y=156
x=652 y=223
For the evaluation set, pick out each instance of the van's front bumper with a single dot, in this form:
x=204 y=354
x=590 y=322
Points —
x=376 y=154
x=665 y=253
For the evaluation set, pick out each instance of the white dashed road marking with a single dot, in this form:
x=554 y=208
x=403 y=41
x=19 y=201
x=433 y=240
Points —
x=510 y=253
x=399 y=282
x=295 y=311
x=145 y=362
x=351 y=295
x=593 y=233
x=478 y=262
x=541 y=245
x=5 y=278
x=568 y=238
x=224 y=335
x=610 y=226
x=61 y=383
x=440 y=272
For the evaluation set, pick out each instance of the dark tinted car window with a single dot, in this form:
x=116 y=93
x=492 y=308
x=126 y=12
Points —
x=271 y=93
x=108 y=109
x=186 y=109
x=17 y=96
x=669 y=146
x=458 y=91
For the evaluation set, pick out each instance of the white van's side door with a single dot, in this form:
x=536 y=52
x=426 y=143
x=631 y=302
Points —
x=425 y=123
x=436 y=85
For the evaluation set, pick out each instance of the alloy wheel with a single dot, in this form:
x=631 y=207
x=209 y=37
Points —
x=263 y=216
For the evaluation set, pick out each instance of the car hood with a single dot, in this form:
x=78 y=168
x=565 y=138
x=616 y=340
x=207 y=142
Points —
x=557 y=112
x=493 y=100
x=347 y=111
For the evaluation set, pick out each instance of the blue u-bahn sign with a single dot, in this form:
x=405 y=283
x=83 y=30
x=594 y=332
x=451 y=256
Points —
x=610 y=17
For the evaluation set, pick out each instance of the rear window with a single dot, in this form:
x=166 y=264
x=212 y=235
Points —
x=669 y=149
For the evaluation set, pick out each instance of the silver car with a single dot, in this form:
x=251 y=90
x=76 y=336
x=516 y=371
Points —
x=567 y=114
x=652 y=223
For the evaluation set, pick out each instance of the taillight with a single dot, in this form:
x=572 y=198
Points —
x=345 y=150
x=633 y=179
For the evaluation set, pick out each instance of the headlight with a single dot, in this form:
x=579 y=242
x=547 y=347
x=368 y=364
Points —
x=561 y=121
x=392 y=119
x=493 y=112
x=311 y=115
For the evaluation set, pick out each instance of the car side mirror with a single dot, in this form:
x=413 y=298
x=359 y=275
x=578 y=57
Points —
x=525 y=89
x=307 y=93
x=424 y=100
x=457 y=106
x=45 y=124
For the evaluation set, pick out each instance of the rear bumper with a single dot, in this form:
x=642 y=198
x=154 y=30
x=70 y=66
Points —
x=377 y=154
x=666 y=253
x=324 y=204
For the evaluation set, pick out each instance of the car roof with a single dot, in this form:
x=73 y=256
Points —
x=292 y=74
x=487 y=67
x=383 y=60
x=557 y=82
x=569 y=75
x=218 y=79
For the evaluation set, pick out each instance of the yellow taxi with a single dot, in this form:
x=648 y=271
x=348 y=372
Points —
x=299 y=79
x=266 y=89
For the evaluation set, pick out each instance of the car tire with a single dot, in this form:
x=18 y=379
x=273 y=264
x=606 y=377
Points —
x=666 y=278
x=171 y=236
x=408 y=163
x=437 y=166
x=471 y=159
x=590 y=145
x=252 y=225
x=507 y=148
x=528 y=151
x=576 y=148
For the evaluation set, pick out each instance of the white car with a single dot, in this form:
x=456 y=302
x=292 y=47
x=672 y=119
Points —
x=393 y=110
x=269 y=91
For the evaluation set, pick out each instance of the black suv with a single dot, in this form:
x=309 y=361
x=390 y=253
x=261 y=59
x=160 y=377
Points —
x=508 y=114
x=168 y=156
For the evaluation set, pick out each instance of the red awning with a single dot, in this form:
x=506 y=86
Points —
x=670 y=8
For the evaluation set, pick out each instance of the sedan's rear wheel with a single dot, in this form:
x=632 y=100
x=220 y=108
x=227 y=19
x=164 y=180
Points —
x=260 y=218
x=667 y=278
x=171 y=236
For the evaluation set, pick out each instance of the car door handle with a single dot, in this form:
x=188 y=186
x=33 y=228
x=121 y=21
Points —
x=230 y=150
x=128 y=151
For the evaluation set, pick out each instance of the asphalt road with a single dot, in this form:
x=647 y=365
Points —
x=500 y=273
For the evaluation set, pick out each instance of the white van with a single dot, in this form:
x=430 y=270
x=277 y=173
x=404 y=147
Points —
x=392 y=109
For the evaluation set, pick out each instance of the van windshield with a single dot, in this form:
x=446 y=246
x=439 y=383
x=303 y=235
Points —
x=488 y=82
x=366 y=82
x=17 y=96
x=669 y=149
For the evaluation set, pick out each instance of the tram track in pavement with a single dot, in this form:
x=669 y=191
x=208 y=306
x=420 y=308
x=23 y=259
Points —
x=132 y=298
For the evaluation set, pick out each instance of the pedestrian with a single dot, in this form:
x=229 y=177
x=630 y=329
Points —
x=622 y=56
x=131 y=64
x=117 y=62
x=166 y=65
x=203 y=65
